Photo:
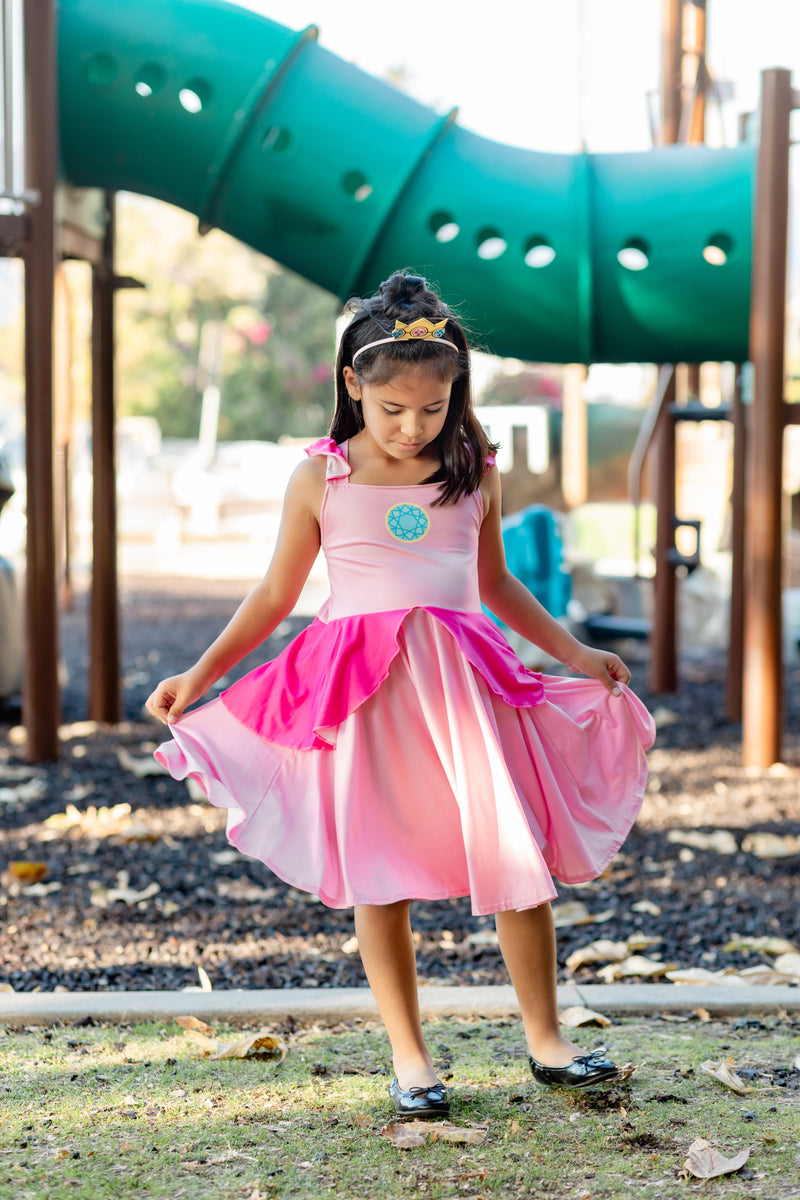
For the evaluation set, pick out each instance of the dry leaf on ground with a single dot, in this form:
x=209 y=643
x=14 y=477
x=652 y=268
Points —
x=634 y=967
x=34 y=789
x=402 y=1136
x=603 y=950
x=205 y=983
x=577 y=1015
x=21 y=874
x=102 y=896
x=767 y=945
x=726 y=977
x=243 y=889
x=721 y=840
x=647 y=906
x=256 y=1045
x=788 y=963
x=704 y=1162
x=407 y=1135
x=140 y=767
x=771 y=845
x=191 y=1022
x=724 y=1073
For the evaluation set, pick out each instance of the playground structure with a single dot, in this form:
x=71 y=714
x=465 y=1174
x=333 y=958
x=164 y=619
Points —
x=561 y=258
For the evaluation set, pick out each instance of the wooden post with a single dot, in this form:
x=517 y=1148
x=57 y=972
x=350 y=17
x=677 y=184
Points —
x=574 y=438
x=762 y=715
x=104 y=697
x=733 y=699
x=663 y=642
x=40 y=702
x=62 y=432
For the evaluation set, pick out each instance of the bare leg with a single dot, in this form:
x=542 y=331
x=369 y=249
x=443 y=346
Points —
x=387 y=952
x=528 y=943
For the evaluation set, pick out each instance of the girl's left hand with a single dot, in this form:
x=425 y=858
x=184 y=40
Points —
x=601 y=664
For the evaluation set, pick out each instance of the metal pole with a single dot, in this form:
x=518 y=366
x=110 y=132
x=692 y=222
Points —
x=104 y=697
x=663 y=657
x=763 y=691
x=575 y=438
x=40 y=690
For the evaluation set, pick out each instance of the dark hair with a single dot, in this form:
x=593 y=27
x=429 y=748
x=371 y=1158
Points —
x=462 y=443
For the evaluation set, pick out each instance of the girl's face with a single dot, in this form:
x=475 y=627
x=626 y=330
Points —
x=404 y=415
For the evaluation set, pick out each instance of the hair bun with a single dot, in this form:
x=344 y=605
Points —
x=402 y=293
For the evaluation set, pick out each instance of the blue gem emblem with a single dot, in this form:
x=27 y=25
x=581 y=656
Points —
x=407 y=522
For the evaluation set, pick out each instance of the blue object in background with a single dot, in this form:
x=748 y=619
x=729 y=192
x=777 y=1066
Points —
x=534 y=554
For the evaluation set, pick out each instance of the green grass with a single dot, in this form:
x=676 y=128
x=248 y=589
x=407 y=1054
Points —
x=111 y=1112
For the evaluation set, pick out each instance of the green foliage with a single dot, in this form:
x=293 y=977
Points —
x=278 y=342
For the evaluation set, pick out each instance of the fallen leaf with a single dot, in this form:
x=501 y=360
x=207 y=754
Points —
x=194 y=1023
x=703 y=1014
x=25 y=872
x=243 y=889
x=256 y=1045
x=205 y=983
x=637 y=966
x=789 y=963
x=402 y=1136
x=140 y=767
x=724 y=1073
x=6 y=987
x=704 y=1162
x=42 y=889
x=102 y=897
x=571 y=912
x=484 y=937
x=599 y=951
x=767 y=945
x=664 y=716
x=23 y=792
x=728 y=976
x=721 y=841
x=577 y=1015
x=771 y=845
x=646 y=906
x=350 y=946
x=417 y=1131
x=767 y=976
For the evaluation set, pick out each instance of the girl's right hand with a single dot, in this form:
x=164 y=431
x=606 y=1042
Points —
x=170 y=697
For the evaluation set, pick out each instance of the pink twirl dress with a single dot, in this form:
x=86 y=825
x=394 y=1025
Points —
x=398 y=748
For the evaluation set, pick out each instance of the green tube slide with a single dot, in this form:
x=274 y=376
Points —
x=261 y=132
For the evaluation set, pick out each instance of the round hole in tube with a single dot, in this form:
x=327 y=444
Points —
x=150 y=80
x=718 y=248
x=356 y=184
x=276 y=139
x=443 y=227
x=538 y=253
x=491 y=244
x=634 y=255
x=101 y=70
x=195 y=96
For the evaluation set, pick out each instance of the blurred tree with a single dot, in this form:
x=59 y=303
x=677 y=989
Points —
x=279 y=330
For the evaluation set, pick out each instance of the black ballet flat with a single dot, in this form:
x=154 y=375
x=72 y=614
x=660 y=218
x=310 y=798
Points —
x=585 y=1070
x=420 y=1101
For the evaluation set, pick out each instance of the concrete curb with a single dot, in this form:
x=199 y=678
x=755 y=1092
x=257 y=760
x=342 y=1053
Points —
x=329 y=1006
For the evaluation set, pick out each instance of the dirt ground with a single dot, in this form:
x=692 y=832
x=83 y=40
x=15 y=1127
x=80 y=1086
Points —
x=147 y=897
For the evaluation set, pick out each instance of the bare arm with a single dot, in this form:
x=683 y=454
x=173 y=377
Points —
x=516 y=607
x=263 y=609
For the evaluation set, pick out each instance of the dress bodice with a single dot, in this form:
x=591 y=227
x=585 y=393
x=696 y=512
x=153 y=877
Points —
x=390 y=548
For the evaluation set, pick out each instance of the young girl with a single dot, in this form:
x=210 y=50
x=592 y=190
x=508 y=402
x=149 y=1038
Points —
x=398 y=749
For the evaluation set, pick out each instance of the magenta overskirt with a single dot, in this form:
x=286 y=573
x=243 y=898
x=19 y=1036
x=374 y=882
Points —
x=432 y=786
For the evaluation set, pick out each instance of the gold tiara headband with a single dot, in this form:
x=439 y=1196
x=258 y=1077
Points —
x=421 y=330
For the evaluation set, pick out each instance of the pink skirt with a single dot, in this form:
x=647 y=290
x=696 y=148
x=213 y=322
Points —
x=433 y=787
